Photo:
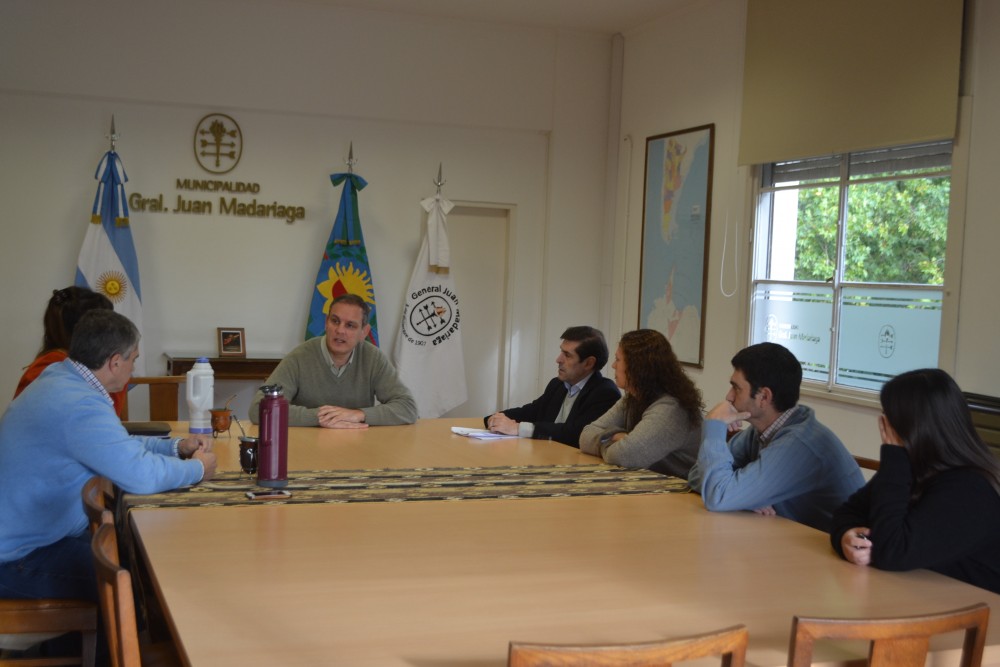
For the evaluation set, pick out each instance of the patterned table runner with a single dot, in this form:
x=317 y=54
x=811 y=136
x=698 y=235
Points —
x=403 y=485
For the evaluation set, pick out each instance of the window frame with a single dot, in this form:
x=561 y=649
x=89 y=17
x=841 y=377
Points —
x=950 y=287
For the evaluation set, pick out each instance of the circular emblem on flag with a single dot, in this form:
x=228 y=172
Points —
x=112 y=284
x=431 y=315
x=218 y=143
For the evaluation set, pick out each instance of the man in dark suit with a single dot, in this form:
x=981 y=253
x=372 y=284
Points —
x=578 y=395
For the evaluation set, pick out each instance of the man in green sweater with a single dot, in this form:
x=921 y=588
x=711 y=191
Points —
x=333 y=380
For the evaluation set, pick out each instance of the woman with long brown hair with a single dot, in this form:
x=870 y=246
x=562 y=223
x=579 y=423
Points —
x=65 y=308
x=657 y=422
x=935 y=501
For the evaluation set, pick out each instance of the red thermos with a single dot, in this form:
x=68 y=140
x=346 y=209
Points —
x=272 y=457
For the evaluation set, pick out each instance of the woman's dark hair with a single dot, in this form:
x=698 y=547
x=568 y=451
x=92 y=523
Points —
x=65 y=308
x=931 y=416
x=653 y=370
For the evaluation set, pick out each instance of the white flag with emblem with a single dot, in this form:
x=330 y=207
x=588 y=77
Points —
x=428 y=348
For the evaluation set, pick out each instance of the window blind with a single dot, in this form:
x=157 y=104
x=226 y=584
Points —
x=922 y=157
x=825 y=77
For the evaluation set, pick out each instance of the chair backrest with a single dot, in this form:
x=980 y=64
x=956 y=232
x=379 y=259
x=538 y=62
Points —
x=114 y=593
x=895 y=642
x=730 y=644
x=24 y=623
x=164 y=394
x=97 y=496
x=866 y=463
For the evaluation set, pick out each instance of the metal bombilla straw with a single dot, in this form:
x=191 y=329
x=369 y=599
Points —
x=237 y=420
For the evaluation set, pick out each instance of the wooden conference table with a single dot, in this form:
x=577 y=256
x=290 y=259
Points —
x=445 y=584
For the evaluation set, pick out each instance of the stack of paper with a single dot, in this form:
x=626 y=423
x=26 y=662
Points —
x=479 y=433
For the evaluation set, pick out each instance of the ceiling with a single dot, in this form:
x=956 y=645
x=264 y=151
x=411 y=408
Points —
x=602 y=16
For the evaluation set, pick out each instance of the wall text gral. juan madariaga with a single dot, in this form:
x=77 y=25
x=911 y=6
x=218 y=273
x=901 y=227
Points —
x=227 y=205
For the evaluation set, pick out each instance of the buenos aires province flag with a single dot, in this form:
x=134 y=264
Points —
x=107 y=262
x=428 y=350
x=344 y=267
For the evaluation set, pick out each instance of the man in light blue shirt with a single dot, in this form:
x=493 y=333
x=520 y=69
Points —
x=61 y=431
x=786 y=463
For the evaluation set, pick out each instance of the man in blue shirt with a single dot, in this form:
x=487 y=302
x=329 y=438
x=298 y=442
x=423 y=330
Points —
x=61 y=431
x=786 y=463
x=578 y=394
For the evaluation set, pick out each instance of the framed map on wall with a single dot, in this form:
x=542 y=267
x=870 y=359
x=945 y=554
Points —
x=676 y=211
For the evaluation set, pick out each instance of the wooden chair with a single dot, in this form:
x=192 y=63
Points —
x=895 y=642
x=114 y=591
x=98 y=496
x=866 y=463
x=163 y=396
x=27 y=622
x=730 y=644
x=35 y=621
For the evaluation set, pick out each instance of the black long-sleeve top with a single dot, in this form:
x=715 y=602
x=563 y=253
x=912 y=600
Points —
x=952 y=528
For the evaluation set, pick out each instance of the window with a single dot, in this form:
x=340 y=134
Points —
x=848 y=261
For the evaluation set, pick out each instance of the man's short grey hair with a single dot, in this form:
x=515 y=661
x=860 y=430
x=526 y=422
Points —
x=100 y=335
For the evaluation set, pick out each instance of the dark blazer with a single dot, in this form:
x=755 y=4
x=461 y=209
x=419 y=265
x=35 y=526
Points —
x=596 y=397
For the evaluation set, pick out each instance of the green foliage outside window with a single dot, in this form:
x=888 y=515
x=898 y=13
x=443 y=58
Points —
x=896 y=232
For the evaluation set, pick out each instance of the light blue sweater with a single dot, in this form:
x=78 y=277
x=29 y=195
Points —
x=55 y=436
x=805 y=472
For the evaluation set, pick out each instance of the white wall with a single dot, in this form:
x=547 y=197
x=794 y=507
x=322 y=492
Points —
x=978 y=351
x=680 y=72
x=518 y=116
x=684 y=70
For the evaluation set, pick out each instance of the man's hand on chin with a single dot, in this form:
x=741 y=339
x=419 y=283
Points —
x=728 y=414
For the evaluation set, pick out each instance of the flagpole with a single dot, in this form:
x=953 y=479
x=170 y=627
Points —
x=344 y=267
x=428 y=350
x=108 y=262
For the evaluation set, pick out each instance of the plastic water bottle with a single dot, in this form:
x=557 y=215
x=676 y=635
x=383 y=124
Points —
x=200 y=396
x=272 y=455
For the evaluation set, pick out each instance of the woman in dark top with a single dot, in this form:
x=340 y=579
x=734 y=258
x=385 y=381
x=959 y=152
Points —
x=935 y=501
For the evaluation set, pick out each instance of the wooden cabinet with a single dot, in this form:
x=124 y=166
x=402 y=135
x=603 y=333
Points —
x=226 y=368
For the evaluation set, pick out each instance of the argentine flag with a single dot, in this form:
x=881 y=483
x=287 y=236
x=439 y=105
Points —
x=108 y=262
